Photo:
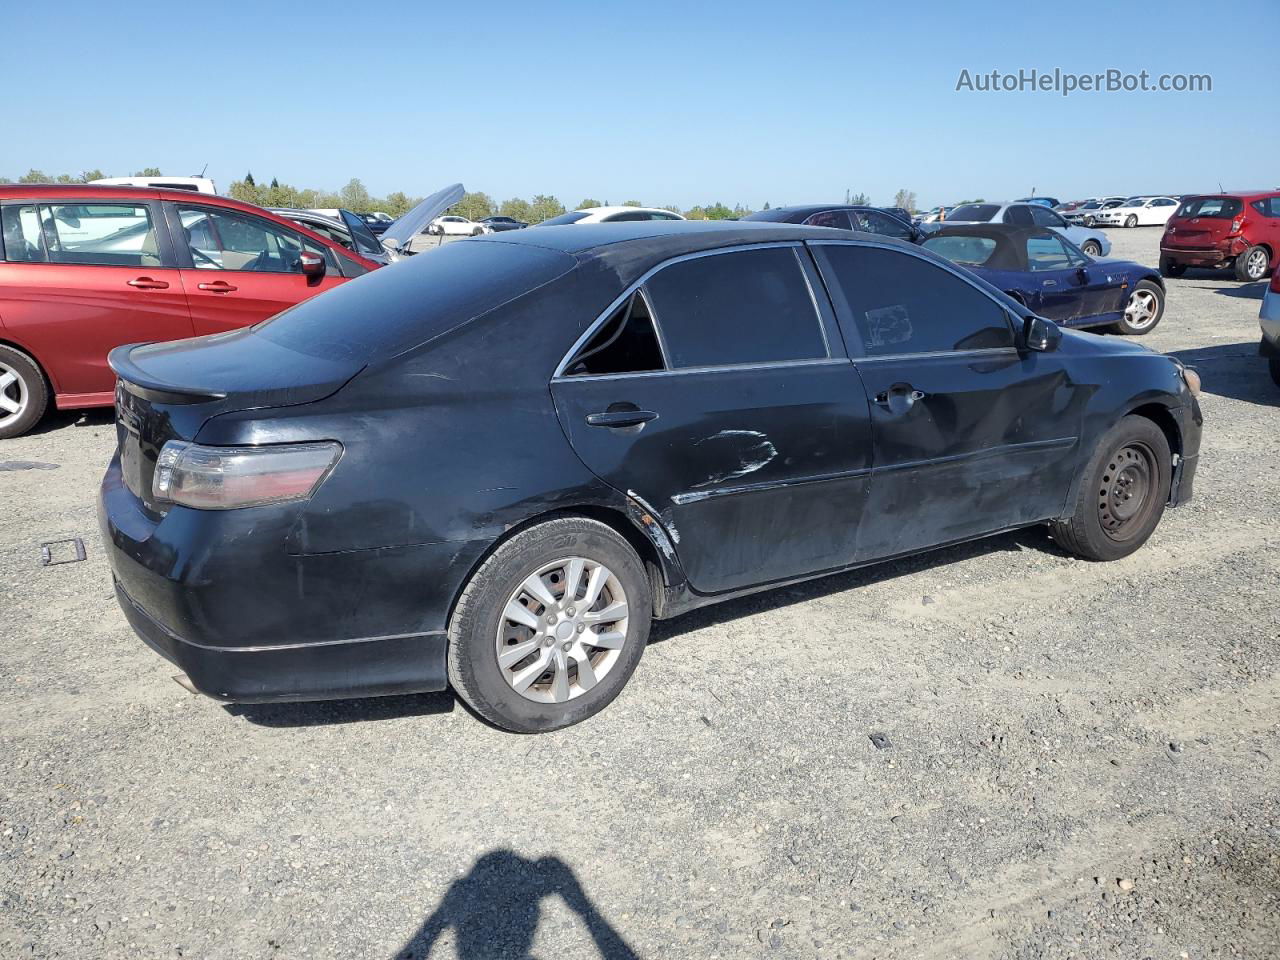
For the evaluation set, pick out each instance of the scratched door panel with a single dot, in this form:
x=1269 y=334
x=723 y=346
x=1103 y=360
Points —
x=757 y=473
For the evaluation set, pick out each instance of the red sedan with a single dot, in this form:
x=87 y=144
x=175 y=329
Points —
x=84 y=269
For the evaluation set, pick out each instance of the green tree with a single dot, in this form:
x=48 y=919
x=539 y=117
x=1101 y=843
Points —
x=34 y=176
x=398 y=204
x=632 y=203
x=516 y=209
x=718 y=211
x=155 y=172
x=766 y=206
x=588 y=204
x=354 y=196
x=473 y=206
x=248 y=178
x=905 y=199
x=246 y=191
x=90 y=175
x=66 y=178
x=544 y=207
x=860 y=200
x=695 y=213
x=672 y=207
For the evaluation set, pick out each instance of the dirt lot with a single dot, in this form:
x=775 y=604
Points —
x=1084 y=759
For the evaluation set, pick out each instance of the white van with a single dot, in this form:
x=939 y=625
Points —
x=194 y=184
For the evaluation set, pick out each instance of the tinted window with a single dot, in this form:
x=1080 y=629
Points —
x=829 y=218
x=103 y=234
x=977 y=212
x=23 y=241
x=625 y=343
x=1163 y=202
x=1044 y=217
x=901 y=303
x=751 y=306
x=968 y=251
x=226 y=240
x=1019 y=214
x=881 y=223
x=627 y=217
x=1221 y=207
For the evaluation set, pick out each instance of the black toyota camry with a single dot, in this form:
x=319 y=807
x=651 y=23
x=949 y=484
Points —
x=489 y=467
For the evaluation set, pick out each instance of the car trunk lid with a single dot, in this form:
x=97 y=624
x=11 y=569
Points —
x=1202 y=221
x=397 y=236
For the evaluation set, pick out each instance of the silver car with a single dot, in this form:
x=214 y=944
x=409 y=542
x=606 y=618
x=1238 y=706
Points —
x=1093 y=242
x=1269 y=320
x=1086 y=215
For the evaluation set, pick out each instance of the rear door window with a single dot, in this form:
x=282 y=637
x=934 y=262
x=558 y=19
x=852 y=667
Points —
x=831 y=218
x=1019 y=214
x=96 y=234
x=625 y=343
x=892 y=302
x=1044 y=217
x=747 y=306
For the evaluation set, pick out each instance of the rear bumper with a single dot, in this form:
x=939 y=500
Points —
x=1208 y=255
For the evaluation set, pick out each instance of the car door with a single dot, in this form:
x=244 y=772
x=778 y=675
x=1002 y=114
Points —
x=717 y=395
x=80 y=278
x=1160 y=210
x=971 y=435
x=238 y=269
x=1060 y=283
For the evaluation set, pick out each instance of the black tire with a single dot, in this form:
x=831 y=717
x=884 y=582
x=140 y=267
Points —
x=27 y=389
x=1149 y=289
x=474 y=671
x=1273 y=364
x=1103 y=525
x=1171 y=268
x=1131 y=220
x=478 y=231
x=1092 y=248
x=1088 y=221
x=1252 y=265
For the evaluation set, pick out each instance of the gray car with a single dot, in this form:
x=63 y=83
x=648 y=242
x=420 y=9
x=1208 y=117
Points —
x=1093 y=242
x=349 y=229
x=1086 y=215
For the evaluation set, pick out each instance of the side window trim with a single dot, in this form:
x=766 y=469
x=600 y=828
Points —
x=949 y=268
x=603 y=317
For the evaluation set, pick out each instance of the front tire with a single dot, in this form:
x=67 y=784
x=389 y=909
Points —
x=1092 y=247
x=1122 y=494
x=1131 y=220
x=1252 y=265
x=24 y=395
x=550 y=628
x=1143 y=310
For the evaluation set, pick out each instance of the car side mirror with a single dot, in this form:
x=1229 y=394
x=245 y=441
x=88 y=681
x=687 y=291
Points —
x=1041 y=334
x=312 y=264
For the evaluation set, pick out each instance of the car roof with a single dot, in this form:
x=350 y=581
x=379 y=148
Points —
x=1233 y=194
x=784 y=214
x=621 y=209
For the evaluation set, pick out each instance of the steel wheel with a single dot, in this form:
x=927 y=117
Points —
x=562 y=630
x=14 y=395
x=1255 y=264
x=1141 y=310
x=1127 y=493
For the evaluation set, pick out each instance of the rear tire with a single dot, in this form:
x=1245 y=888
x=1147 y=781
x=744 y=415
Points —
x=566 y=677
x=1122 y=495
x=1252 y=265
x=1143 y=311
x=1171 y=268
x=1092 y=248
x=24 y=394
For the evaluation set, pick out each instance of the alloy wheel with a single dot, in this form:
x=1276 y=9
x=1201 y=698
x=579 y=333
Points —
x=14 y=395
x=1127 y=493
x=562 y=630
x=1140 y=311
x=1255 y=266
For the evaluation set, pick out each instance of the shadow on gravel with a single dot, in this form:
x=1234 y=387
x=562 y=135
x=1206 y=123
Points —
x=1245 y=291
x=1031 y=538
x=494 y=911
x=1233 y=370
x=325 y=712
x=58 y=419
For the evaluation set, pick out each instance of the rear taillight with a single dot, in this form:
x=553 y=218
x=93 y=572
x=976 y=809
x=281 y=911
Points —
x=225 y=478
x=1236 y=226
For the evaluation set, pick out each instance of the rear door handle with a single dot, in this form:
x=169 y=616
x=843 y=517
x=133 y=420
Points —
x=146 y=283
x=620 y=418
x=217 y=286
x=900 y=397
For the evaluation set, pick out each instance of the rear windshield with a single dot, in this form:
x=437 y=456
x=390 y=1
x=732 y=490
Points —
x=967 y=251
x=408 y=303
x=776 y=215
x=573 y=217
x=977 y=212
x=1221 y=207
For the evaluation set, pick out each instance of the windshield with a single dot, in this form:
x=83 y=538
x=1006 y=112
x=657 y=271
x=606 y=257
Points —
x=977 y=212
x=573 y=217
x=393 y=310
x=1223 y=208
x=1091 y=205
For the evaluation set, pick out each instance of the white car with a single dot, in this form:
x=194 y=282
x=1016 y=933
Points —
x=611 y=215
x=457 y=226
x=1138 y=212
x=194 y=184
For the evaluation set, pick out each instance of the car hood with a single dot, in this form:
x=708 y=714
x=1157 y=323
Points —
x=397 y=236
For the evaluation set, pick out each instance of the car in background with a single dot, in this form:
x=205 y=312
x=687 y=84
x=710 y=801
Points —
x=1086 y=214
x=531 y=445
x=377 y=222
x=1049 y=202
x=1138 y=212
x=1041 y=268
x=843 y=217
x=86 y=268
x=1269 y=320
x=1093 y=242
x=194 y=184
x=500 y=224
x=1236 y=230
x=349 y=229
x=623 y=214
x=454 y=226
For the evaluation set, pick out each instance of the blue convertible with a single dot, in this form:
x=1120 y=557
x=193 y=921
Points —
x=1052 y=276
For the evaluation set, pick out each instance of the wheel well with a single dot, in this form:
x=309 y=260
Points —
x=48 y=382
x=616 y=520
x=1162 y=418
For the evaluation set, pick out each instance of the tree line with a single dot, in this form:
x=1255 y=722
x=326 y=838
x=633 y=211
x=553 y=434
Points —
x=474 y=205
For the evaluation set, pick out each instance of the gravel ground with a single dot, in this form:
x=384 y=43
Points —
x=1082 y=758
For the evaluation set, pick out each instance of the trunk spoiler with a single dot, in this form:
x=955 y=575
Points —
x=151 y=388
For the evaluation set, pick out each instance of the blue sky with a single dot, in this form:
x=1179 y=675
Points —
x=664 y=102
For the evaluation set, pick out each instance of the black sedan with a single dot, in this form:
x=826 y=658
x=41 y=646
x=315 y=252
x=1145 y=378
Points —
x=1052 y=276
x=492 y=465
x=500 y=224
x=878 y=220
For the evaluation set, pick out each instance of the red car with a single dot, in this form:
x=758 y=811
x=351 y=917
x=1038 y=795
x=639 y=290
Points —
x=1237 y=230
x=85 y=269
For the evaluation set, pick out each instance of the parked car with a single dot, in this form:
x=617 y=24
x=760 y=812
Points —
x=376 y=222
x=84 y=269
x=1054 y=278
x=191 y=184
x=1049 y=202
x=1093 y=242
x=1236 y=230
x=843 y=217
x=618 y=423
x=499 y=224
x=1138 y=212
x=453 y=226
x=1269 y=319
x=1086 y=214
x=622 y=214
x=349 y=229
